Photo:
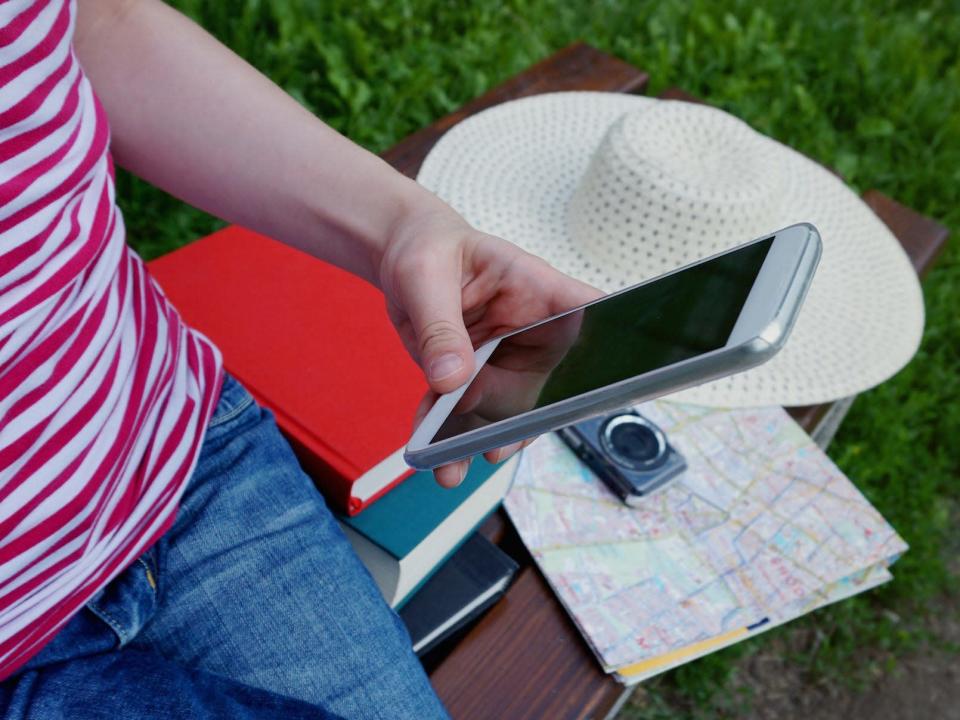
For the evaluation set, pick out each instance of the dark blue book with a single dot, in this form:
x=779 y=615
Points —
x=407 y=534
x=460 y=591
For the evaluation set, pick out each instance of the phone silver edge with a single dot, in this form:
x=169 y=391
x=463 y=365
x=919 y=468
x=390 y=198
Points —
x=739 y=354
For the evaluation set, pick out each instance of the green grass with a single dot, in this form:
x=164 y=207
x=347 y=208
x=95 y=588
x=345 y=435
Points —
x=871 y=88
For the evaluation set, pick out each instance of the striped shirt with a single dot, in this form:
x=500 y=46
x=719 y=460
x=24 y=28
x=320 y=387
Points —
x=104 y=392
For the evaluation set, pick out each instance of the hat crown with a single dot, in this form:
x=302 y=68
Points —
x=675 y=175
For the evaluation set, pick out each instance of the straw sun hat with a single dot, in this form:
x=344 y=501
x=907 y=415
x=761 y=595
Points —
x=614 y=189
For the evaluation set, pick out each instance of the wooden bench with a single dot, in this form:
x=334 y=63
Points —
x=525 y=658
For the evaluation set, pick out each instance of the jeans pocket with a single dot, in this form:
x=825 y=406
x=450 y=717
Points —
x=128 y=601
x=234 y=399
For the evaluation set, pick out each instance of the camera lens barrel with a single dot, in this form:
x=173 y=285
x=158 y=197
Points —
x=633 y=442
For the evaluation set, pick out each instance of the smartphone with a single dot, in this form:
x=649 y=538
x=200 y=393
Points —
x=712 y=318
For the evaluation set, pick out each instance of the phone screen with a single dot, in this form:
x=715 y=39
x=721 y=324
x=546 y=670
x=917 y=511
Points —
x=660 y=323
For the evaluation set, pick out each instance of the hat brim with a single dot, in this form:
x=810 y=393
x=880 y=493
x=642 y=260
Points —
x=511 y=171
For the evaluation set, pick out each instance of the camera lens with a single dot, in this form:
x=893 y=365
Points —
x=633 y=442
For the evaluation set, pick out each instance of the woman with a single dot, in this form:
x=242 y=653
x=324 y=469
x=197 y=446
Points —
x=161 y=553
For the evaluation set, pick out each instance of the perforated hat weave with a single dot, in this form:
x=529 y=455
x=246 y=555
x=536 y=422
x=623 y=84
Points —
x=615 y=189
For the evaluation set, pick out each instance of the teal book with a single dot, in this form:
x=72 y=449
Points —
x=407 y=534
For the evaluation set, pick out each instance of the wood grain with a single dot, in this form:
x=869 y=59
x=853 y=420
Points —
x=675 y=93
x=525 y=660
x=923 y=238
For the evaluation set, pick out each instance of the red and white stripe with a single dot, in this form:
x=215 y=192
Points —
x=104 y=392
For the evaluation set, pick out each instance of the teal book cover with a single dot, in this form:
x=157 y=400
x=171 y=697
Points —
x=401 y=519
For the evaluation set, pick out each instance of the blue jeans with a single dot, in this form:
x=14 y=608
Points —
x=253 y=605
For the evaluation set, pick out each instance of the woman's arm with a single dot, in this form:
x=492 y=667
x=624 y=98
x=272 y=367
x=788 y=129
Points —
x=194 y=119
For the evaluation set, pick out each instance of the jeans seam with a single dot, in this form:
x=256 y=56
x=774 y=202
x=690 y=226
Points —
x=232 y=413
x=109 y=620
x=152 y=579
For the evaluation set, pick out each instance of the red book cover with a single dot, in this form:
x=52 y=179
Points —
x=312 y=343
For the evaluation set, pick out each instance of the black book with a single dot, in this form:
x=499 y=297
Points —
x=468 y=583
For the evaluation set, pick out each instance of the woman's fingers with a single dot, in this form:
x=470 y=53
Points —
x=449 y=476
x=501 y=454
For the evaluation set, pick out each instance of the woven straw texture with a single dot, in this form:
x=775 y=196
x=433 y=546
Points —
x=615 y=189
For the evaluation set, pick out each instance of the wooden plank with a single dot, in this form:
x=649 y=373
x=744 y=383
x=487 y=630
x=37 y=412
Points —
x=923 y=238
x=576 y=67
x=494 y=528
x=808 y=416
x=525 y=660
x=675 y=93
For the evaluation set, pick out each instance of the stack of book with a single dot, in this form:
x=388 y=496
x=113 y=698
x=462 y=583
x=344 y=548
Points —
x=314 y=344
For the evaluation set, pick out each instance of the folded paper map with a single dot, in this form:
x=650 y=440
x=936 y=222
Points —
x=760 y=529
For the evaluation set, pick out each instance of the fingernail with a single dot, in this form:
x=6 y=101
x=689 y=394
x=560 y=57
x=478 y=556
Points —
x=505 y=452
x=445 y=366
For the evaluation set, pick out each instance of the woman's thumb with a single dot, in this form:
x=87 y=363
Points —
x=446 y=354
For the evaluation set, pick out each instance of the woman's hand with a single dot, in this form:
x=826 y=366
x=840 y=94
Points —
x=450 y=287
x=232 y=143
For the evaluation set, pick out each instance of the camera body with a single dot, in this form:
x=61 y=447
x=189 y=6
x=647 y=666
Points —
x=627 y=451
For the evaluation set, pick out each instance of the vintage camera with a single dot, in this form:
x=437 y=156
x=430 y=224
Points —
x=627 y=451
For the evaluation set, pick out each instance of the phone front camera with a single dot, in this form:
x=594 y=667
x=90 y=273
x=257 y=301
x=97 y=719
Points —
x=633 y=442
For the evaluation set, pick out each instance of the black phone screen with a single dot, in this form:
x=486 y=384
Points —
x=673 y=318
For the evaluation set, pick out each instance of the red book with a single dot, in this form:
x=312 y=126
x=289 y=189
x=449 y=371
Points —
x=312 y=343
